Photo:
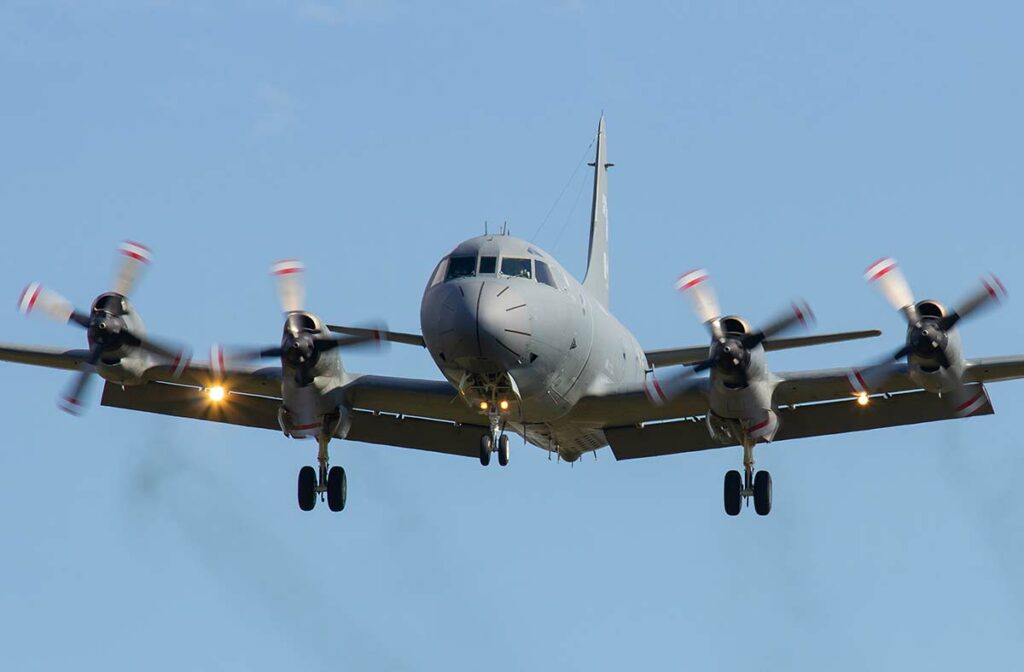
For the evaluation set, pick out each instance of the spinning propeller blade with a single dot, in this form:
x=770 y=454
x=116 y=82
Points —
x=991 y=292
x=36 y=299
x=887 y=277
x=695 y=285
x=134 y=258
x=291 y=291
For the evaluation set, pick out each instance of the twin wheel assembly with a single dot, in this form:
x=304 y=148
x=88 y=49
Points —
x=487 y=446
x=335 y=485
x=324 y=480
x=738 y=488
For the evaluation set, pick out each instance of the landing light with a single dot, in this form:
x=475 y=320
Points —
x=216 y=393
x=484 y=406
x=503 y=405
x=863 y=399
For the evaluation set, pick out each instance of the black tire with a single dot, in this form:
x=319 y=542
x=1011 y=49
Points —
x=307 y=488
x=486 y=444
x=503 y=451
x=733 y=492
x=337 y=488
x=763 y=493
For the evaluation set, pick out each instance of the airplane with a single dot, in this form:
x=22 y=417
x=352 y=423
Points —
x=524 y=348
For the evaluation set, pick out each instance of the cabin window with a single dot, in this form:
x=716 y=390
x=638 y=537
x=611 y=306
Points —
x=461 y=267
x=517 y=268
x=488 y=265
x=544 y=274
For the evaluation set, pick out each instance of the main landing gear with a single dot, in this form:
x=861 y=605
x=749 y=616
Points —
x=495 y=440
x=325 y=480
x=750 y=484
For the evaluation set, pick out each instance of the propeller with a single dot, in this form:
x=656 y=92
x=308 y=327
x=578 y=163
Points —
x=107 y=329
x=302 y=343
x=927 y=336
x=730 y=351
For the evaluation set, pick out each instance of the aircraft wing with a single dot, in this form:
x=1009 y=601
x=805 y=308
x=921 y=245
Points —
x=380 y=334
x=420 y=414
x=53 y=358
x=821 y=419
x=259 y=380
x=995 y=368
x=810 y=403
x=251 y=380
x=698 y=353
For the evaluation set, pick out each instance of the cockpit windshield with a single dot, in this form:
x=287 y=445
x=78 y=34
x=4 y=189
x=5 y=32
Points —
x=461 y=267
x=488 y=265
x=517 y=268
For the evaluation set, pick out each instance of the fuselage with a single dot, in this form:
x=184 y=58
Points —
x=504 y=322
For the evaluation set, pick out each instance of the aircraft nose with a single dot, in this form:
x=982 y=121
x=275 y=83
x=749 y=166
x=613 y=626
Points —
x=483 y=327
x=503 y=324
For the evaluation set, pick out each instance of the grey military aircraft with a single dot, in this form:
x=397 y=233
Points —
x=526 y=349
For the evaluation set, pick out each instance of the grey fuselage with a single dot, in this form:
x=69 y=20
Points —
x=523 y=330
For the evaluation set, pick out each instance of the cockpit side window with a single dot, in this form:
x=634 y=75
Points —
x=461 y=267
x=517 y=268
x=544 y=274
x=488 y=265
x=439 y=272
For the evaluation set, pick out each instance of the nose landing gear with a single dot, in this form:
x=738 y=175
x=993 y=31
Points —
x=738 y=488
x=495 y=440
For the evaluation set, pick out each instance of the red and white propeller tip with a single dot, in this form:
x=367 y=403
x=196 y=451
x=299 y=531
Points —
x=134 y=257
x=35 y=298
x=994 y=286
x=803 y=313
x=885 y=274
x=695 y=284
x=290 y=289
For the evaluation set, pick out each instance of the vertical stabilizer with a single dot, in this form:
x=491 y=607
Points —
x=596 y=280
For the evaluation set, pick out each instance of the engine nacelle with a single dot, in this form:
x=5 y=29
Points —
x=729 y=430
x=931 y=308
x=734 y=325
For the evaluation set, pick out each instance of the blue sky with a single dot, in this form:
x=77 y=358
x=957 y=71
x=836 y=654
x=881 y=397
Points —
x=782 y=145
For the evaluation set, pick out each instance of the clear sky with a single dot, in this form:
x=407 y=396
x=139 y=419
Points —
x=783 y=145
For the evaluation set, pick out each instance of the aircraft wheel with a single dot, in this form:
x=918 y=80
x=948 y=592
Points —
x=503 y=450
x=486 y=444
x=733 y=492
x=307 y=488
x=763 y=493
x=337 y=488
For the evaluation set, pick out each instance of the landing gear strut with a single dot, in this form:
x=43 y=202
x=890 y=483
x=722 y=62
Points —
x=328 y=480
x=739 y=488
x=495 y=440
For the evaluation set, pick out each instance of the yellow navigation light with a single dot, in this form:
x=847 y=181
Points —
x=863 y=399
x=503 y=405
x=484 y=406
x=216 y=393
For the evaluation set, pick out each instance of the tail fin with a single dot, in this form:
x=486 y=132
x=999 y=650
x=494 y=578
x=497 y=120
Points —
x=596 y=279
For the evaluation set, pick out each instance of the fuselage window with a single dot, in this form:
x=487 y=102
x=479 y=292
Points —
x=461 y=267
x=517 y=268
x=488 y=264
x=544 y=274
